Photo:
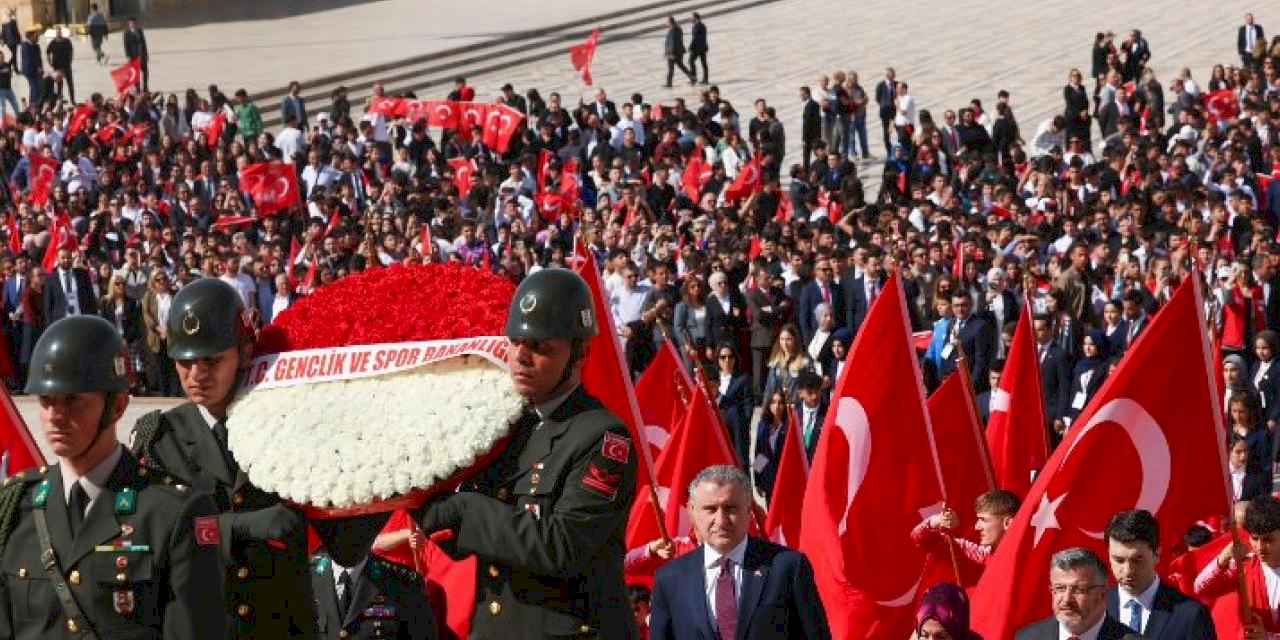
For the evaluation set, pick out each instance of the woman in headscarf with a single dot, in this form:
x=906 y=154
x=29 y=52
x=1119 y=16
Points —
x=944 y=614
x=1088 y=373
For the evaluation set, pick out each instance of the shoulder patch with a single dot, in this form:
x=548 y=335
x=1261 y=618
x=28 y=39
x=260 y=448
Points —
x=320 y=564
x=41 y=495
x=207 y=534
x=616 y=447
x=601 y=481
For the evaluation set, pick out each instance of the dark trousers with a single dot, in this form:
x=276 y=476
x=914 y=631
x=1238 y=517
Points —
x=33 y=96
x=672 y=63
x=162 y=377
x=808 y=151
x=859 y=126
x=759 y=371
x=66 y=78
x=695 y=56
x=887 y=125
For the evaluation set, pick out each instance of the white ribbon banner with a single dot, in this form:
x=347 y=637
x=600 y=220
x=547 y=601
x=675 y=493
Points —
x=308 y=366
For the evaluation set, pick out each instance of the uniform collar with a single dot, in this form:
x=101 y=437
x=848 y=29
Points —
x=549 y=407
x=94 y=481
x=209 y=418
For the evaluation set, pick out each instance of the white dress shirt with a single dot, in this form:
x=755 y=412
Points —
x=70 y=290
x=1147 y=599
x=1237 y=482
x=93 y=482
x=1273 y=586
x=355 y=574
x=711 y=565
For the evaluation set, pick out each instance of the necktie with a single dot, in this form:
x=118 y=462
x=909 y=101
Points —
x=76 y=508
x=220 y=434
x=1135 y=615
x=872 y=292
x=808 y=427
x=66 y=290
x=344 y=593
x=726 y=601
x=826 y=294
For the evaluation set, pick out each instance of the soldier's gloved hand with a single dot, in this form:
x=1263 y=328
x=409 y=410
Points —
x=272 y=523
x=445 y=513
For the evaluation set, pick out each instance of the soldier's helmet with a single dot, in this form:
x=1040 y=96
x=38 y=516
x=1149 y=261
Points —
x=206 y=318
x=552 y=303
x=78 y=354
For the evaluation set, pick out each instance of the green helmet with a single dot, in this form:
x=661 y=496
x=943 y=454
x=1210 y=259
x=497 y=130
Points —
x=78 y=354
x=205 y=319
x=552 y=303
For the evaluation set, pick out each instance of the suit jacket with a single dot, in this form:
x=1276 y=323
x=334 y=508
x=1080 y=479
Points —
x=736 y=408
x=294 y=106
x=1109 y=119
x=1048 y=630
x=812 y=444
x=1242 y=40
x=1268 y=388
x=977 y=338
x=885 y=94
x=55 y=299
x=388 y=602
x=135 y=46
x=1055 y=380
x=778 y=597
x=764 y=324
x=698 y=38
x=674 y=44
x=765 y=464
x=811 y=122
x=810 y=298
x=856 y=304
x=1174 y=616
x=13 y=294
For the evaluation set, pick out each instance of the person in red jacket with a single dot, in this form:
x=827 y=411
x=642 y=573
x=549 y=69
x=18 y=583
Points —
x=995 y=510
x=1261 y=566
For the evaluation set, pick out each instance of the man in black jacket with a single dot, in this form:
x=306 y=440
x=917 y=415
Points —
x=1247 y=38
x=810 y=125
x=60 y=52
x=698 y=47
x=886 y=98
x=135 y=46
x=673 y=47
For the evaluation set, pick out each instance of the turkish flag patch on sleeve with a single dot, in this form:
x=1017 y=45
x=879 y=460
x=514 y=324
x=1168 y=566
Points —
x=616 y=448
x=207 y=534
x=601 y=481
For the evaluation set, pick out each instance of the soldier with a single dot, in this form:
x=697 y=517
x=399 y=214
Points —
x=96 y=546
x=263 y=545
x=547 y=519
x=370 y=597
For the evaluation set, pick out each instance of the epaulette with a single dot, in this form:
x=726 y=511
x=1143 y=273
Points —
x=320 y=563
x=146 y=432
x=11 y=497
x=380 y=567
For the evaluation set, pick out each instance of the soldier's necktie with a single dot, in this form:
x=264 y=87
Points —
x=76 y=507
x=220 y=433
x=344 y=597
x=726 y=601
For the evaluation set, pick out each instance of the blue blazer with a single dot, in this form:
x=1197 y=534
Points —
x=1173 y=615
x=778 y=598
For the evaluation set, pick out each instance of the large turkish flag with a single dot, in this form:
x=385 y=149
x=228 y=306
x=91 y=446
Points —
x=1151 y=438
x=273 y=186
x=1017 y=435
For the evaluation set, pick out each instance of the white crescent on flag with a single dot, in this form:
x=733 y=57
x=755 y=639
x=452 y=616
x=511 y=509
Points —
x=851 y=418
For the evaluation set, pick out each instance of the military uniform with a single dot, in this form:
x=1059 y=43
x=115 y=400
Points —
x=546 y=523
x=144 y=564
x=388 y=601
x=268 y=591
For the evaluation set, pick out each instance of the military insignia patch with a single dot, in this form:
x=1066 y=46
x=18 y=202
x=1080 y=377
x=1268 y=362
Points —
x=586 y=318
x=126 y=501
x=599 y=481
x=528 y=303
x=190 y=323
x=207 y=534
x=123 y=601
x=616 y=448
x=41 y=496
x=535 y=510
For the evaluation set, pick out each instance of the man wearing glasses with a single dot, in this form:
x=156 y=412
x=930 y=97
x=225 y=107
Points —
x=1077 y=583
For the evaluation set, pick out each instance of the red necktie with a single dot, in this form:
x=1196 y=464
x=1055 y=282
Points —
x=726 y=601
x=826 y=294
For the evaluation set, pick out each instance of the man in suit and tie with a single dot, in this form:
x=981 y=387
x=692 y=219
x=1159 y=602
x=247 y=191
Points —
x=767 y=312
x=810 y=126
x=887 y=100
x=1140 y=600
x=698 y=47
x=733 y=587
x=862 y=290
x=1055 y=375
x=294 y=106
x=1247 y=38
x=1135 y=316
x=823 y=290
x=68 y=291
x=602 y=106
x=1078 y=583
x=812 y=410
x=974 y=335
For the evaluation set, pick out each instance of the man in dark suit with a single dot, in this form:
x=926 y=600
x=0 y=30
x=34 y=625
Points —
x=367 y=597
x=135 y=46
x=1055 y=375
x=974 y=335
x=983 y=400
x=1078 y=582
x=811 y=411
x=602 y=106
x=810 y=125
x=1265 y=275
x=1140 y=600
x=1135 y=316
x=698 y=47
x=1247 y=38
x=886 y=99
x=67 y=291
x=673 y=48
x=1110 y=114
x=862 y=291
x=294 y=106
x=733 y=586
x=823 y=290
x=31 y=65
x=767 y=312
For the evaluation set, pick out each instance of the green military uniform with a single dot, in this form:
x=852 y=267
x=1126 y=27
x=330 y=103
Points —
x=268 y=588
x=144 y=564
x=387 y=601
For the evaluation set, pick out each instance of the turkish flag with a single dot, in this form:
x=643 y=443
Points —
x=544 y=165
x=757 y=247
x=60 y=237
x=571 y=184
x=15 y=234
x=139 y=133
x=663 y=391
x=335 y=220
x=962 y=449
x=747 y=182
x=229 y=222
x=442 y=113
x=501 y=124
x=696 y=173
x=874 y=477
x=425 y=245
x=213 y=135
x=1264 y=185
x=16 y=438
x=450 y=584
x=1017 y=436
x=786 y=210
x=273 y=186
x=580 y=56
x=1222 y=105
x=416 y=110
x=389 y=107
x=42 y=173
x=128 y=76
x=470 y=116
x=294 y=250
x=551 y=205
x=464 y=171
x=81 y=118
x=1151 y=438
x=783 y=524
x=604 y=371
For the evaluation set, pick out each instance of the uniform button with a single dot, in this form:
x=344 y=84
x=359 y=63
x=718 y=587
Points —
x=495 y=607
x=122 y=563
x=22 y=573
x=533 y=490
x=243 y=611
x=242 y=573
x=493 y=570
x=126 y=529
x=74 y=578
x=535 y=478
x=237 y=499
x=73 y=626
x=181 y=488
x=121 y=577
x=584 y=629
x=44 y=469
x=344 y=634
